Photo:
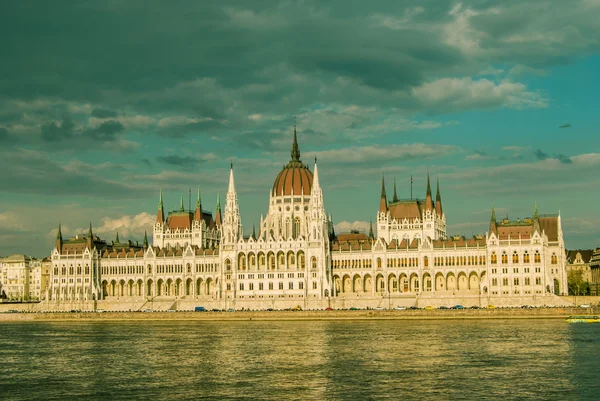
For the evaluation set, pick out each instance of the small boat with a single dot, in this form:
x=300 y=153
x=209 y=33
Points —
x=583 y=319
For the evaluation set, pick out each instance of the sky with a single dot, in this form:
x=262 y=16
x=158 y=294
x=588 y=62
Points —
x=104 y=103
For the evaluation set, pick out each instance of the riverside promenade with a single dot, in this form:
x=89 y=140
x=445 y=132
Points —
x=435 y=314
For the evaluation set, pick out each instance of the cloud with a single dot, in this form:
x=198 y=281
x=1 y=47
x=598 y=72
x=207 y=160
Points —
x=452 y=94
x=127 y=226
x=347 y=226
x=176 y=160
x=563 y=159
x=103 y=113
x=540 y=155
x=57 y=132
x=478 y=155
x=380 y=154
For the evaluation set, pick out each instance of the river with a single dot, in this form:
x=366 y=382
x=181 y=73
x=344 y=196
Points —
x=301 y=360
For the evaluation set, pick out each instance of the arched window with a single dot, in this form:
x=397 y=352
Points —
x=313 y=262
x=494 y=258
x=296 y=227
x=515 y=257
x=71 y=269
x=426 y=261
x=301 y=261
x=379 y=263
x=526 y=257
x=78 y=269
x=189 y=269
x=504 y=258
x=227 y=264
x=554 y=259
x=536 y=257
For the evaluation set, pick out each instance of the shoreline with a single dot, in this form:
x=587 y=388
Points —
x=335 y=315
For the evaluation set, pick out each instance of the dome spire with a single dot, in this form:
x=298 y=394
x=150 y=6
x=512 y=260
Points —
x=295 y=149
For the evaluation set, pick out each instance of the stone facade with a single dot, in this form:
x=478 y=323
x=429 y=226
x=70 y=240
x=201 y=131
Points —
x=295 y=259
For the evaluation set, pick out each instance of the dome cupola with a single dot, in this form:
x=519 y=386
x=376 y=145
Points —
x=295 y=177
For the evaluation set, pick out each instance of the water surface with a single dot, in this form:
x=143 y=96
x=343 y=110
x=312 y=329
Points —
x=303 y=360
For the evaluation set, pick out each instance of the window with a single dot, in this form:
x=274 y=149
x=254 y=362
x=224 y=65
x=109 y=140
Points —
x=251 y=286
x=536 y=257
x=228 y=286
x=425 y=261
x=314 y=285
x=527 y=281
x=505 y=281
x=260 y=286
x=281 y=286
x=516 y=270
x=526 y=257
x=516 y=281
x=270 y=286
x=379 y=263
x=494 y=258
x=291 y=285
x=241 y=286
x=504 y=258
x=538 y=281
x=554 y=259
x=301 y=285
x=495 y=282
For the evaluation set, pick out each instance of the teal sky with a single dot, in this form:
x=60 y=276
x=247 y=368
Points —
x=103 y=103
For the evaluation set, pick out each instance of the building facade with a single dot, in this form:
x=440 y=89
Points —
x=295 y=258
x=22 y=278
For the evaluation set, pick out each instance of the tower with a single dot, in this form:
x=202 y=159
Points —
x=232 y=225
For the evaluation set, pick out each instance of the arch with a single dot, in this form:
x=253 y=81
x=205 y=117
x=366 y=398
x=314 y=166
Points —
x=473 y=281
x=368 y=284
x=130 y=285
x=414 y=283
x=271 y=260
x=188 y=287
x=392 y=283
x=379 y=283
x=301 y=260
x=262 y=260
x=462 y=284
x=149 y=288
x=427 y=282
x=313 y=262
x=227 y=264
x=425 y=261
x=404 y=284
x=280 y=260
x=199 y=287
x=378 y=263
x=291 y=260
x=356 y=284
x=450 y=282
x=159 y=287
x=440 y=282
x=251 y=261
x=337 y=282
x=241 y=261
x=178 y=284
x=104 y=288
x=140 y=287
x=169 y=287
x=122 y=288
x=556 y=287
x=209 y=286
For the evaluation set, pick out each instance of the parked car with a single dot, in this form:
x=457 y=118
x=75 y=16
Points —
x=354 y=308
x=328 y=308
x=199 y=309
x=429 y=307
x=491 y=307
x=458 y=307
x=584 y=306
x=400 y=307
x=442 y=307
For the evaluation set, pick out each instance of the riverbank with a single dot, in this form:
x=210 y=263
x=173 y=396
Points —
x=461 y=314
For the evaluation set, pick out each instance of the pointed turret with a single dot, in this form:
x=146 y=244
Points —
x=395 y=198
x=90 y=238
x=383 y=201
x=536 y=218
x=117 y=239
x=181 y=208
x=198 y=212
x=438 y=200
x=295 y=149
x=371 y=234
x=145 y=240
x=253 y=231
x=493 y=224
x=218 y=219
x=428 y=198
x=160 y=216
x=231 y=218
x=59 y=240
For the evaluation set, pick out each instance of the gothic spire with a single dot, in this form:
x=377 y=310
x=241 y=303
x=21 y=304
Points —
x=371 y=235
x=395 y=199
x=198 y=212
x=295 y=150
x=428 y=199
x=160 y=215
x=117 y=239
x=493 y=224
x=383 y=200
x=253 y=231
x=145 y=240
x=198 y=202
x=536 y=214
x=59 y=233
x=218 y=211
x=181 y=208
x=438 y=199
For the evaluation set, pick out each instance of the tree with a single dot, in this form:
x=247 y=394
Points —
x=577 y=285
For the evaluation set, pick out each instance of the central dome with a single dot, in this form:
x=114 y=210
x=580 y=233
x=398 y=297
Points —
x=295 y=176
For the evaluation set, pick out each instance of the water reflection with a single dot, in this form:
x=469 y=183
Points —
x=542 y=359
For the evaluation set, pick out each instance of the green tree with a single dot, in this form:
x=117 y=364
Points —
x=577 y=285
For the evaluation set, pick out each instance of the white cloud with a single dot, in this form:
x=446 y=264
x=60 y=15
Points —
x=127 y=225
x=346 y=226
x=448 y=94
x=380 y=153
x=180 y=120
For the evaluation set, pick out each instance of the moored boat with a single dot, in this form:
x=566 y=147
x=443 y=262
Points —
x=583 y=319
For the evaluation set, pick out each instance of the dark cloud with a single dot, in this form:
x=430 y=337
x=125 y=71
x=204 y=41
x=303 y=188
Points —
x=181 y=161
x=6 y=137
x=57 y=132
x=106 y=132
x=103 y=113
x=146 y=162
x=563 y=159
x=540 y=155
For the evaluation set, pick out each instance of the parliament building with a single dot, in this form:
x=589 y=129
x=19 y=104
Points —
x=296 y=259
